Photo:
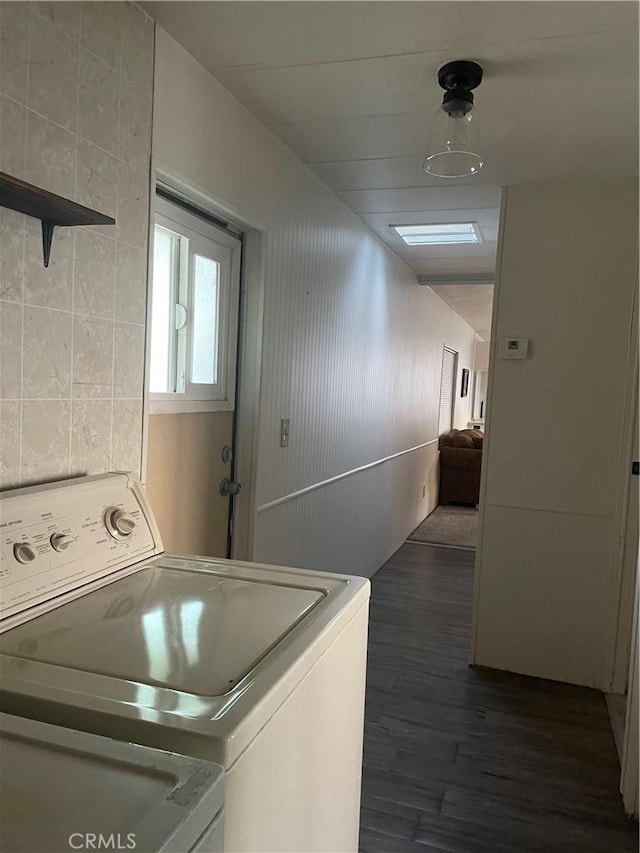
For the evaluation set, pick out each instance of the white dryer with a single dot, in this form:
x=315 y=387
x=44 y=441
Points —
x=63 y=790
x=258 y=668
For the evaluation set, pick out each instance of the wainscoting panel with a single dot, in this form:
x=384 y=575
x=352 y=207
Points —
x=355 y=523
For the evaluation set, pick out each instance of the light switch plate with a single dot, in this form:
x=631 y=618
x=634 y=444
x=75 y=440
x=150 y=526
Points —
x=284 y=432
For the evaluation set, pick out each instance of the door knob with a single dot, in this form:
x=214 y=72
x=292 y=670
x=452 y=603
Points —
x=229 y=487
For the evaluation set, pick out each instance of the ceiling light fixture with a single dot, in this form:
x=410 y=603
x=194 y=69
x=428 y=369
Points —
x=440 y=234
x=453 y=145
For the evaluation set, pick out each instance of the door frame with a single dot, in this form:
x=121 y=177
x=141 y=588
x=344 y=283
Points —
x=249 y=364
x=625 y=566
x=629 y=770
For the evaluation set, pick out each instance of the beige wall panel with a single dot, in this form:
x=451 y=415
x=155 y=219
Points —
x=183 y=477
x=543 y=600
x=352 y=525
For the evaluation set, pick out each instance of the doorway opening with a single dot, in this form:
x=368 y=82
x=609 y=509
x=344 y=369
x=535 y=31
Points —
x=202 y=374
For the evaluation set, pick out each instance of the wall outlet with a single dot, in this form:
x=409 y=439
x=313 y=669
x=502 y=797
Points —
x=284 y=432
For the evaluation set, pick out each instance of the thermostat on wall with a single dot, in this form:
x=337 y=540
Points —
x=513 y=348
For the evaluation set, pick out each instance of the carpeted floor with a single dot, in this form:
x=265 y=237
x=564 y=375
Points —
x=449 y=525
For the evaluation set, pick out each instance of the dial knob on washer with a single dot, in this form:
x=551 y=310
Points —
x=61 y=541
x=23 y=552
x=119 y=523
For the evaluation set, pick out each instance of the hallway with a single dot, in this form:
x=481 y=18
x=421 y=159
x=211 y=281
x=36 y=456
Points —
x=458 y=760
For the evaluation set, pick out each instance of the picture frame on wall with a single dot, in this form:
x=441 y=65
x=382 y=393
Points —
x=464 y=384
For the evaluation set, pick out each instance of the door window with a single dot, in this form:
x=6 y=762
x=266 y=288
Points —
x=194 y=305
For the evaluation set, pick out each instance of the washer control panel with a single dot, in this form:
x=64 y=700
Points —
x=60 y=536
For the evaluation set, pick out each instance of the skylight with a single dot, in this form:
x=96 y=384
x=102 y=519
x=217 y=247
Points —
x=440 y=234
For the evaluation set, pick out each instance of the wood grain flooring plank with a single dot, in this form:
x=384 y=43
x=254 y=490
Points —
x=468 y=760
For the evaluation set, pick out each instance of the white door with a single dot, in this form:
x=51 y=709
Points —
x=191 y=375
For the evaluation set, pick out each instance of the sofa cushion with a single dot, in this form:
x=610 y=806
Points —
x=445 y=439
x=476 y=436
x=460 y=440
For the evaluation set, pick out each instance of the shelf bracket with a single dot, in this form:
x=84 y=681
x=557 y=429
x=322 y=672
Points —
x=47 y=237
x=52 y=210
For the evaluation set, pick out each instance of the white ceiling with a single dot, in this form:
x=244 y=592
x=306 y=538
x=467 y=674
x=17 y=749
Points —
x=473 y=302
x=351 y=88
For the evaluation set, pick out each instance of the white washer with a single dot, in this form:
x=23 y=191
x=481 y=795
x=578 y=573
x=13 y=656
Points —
x=62 y=790
x=258 y=668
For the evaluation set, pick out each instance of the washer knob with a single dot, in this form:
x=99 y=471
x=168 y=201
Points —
x=23 y=552
x=119 y=523
x=61 y=541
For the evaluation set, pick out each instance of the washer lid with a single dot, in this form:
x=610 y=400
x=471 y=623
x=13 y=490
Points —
x=59 y=786
x=191 y=631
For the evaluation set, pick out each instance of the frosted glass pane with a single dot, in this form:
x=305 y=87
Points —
x=204 y=358
x=164 y=248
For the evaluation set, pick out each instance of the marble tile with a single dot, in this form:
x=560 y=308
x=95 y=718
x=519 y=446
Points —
x=135 y=126
x=102 y=30
x=128 y=360
x=132 y=219
x=14 y=50
x=45 y=440
x=46 y=369
x=97 y=182
x=131 y=284
x=99 y=102
x=137 y=47
x=53 y=73
x=94 y=274
x=51 y=156
x=65 y=15
x=10 y=443
x=126 y=439
x=92 y=357
x=90 y=436
x=13 y=135
x=10 y=350
x=48 y=287
x=12 y=227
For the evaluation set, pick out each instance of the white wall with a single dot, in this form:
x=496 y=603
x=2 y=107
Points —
x=481 y=355
x=556 y=458
x=352 y=345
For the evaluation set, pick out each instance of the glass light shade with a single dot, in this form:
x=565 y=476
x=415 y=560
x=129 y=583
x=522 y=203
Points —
x=453 y=145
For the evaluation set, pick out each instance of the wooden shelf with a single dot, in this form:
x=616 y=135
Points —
x=53 y=210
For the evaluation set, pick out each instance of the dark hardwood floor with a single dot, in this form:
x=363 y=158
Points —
x=460 y=760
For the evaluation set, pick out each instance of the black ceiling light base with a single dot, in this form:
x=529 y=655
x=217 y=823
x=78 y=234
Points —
x=460 y=74
x=458 y=78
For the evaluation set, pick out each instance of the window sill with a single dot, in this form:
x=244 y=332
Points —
x=183 y=407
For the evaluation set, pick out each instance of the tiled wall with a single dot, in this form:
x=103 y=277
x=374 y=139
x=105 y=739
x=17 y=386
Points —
x=76 y=83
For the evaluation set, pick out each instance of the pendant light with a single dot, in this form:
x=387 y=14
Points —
x=453 y=145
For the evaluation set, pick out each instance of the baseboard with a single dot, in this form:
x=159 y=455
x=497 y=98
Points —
x=617 y=708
